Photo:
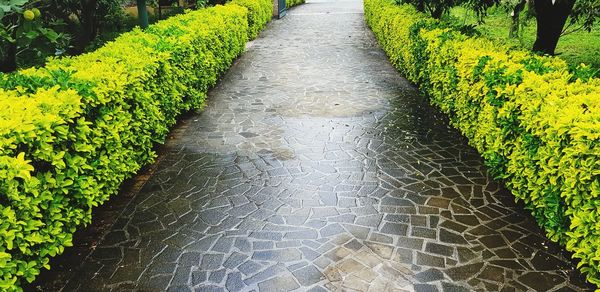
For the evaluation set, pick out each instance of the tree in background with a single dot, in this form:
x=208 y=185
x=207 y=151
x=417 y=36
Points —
x=87 y=18
x=438 y=8
x=551 y=17
x=554 y=18
x=515 y=7
x=26 y=34
x=32 y=30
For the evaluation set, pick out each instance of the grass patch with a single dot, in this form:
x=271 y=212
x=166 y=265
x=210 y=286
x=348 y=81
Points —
x=575 y=48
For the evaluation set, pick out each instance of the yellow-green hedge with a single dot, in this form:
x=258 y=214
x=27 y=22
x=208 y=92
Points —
x=536 y=124
x=261 y=12
x=292 y=3
x=73 y=131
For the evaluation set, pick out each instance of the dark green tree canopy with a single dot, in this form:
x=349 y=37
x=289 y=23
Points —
x=586 y=13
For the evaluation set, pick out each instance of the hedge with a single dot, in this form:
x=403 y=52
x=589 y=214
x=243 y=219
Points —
x=292 y=3
x=536 y=124
x=73 y=131
x=261 y=12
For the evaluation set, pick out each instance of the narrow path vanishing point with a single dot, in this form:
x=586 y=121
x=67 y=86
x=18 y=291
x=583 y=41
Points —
x=317 y=166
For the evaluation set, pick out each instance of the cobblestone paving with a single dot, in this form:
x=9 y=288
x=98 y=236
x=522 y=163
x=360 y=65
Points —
x=317 y=167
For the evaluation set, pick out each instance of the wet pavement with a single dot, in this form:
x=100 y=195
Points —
x=316 y=166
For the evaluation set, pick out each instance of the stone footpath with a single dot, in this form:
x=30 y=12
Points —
x=316 y=166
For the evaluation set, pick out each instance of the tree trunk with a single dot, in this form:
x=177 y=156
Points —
x=437 y=12
x=89 y=24
x=516 y=23
x=421 y=5
x=9 y=62
x=551 y=19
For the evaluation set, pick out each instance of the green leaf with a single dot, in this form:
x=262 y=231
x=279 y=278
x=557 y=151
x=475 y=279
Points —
x=32 y=34
x=18 y=2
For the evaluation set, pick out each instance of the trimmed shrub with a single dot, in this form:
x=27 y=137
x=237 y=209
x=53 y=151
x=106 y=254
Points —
x=73 y=131
x=261 y=12
x=292 y=3
x=536 y=124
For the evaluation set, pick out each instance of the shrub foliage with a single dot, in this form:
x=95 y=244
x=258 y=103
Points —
x=261 y=12
x=292 y=3
x=73 y=131
x=536 y=124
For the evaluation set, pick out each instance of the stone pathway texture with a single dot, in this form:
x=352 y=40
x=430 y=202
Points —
x=317 y=167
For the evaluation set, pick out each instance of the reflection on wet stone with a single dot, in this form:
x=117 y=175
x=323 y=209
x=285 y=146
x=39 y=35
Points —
x=316 y=166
